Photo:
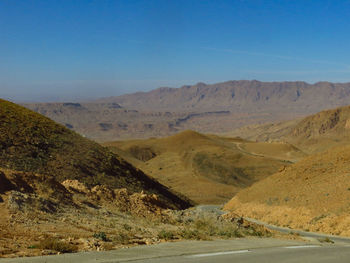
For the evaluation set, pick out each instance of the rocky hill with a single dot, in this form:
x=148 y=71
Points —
x=313 y=133
x=30 y=142
x=60 y=192
x=41 y=216
x=206 y=168
x=216 y=108
x=312 y=194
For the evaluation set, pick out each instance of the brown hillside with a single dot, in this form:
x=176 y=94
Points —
x=31 y=142
x=314 y=133
x=206 y=168
x=313 y=194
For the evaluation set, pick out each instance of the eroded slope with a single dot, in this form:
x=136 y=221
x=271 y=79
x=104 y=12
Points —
x=207 y=168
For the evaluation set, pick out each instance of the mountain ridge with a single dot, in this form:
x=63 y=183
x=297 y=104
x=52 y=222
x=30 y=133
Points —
x=229 y=91
x=206 y=108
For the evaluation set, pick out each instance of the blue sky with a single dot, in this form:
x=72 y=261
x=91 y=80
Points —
x=69 y=50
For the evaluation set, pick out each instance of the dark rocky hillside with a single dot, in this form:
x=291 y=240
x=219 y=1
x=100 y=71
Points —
x=30 y=142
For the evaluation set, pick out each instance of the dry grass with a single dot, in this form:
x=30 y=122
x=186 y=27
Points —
x=207 y=168
x=311 y=195
x=55 y=244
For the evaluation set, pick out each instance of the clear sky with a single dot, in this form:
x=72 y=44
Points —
x=70 y=49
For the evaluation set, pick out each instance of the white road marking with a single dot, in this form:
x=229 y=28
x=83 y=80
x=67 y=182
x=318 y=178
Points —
x=219 y=253
x=307 y=246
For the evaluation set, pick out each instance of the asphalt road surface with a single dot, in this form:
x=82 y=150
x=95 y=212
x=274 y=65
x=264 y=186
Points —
x=288 y=254
x=220 y=251
x=301 y=232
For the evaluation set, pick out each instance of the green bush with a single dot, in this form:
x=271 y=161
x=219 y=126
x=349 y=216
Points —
x=230 y=232
x=101 y=235
x=167 y=235
x=122 y=238
x=190 y=234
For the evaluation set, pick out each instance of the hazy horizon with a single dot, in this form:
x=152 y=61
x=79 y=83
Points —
x=23 y=98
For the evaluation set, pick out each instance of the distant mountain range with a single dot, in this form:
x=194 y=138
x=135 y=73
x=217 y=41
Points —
x=240 y=96
x=216 y=108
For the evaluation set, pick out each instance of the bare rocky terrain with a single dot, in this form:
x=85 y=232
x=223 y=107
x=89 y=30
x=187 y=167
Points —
x=216 y=108
x=41 y=216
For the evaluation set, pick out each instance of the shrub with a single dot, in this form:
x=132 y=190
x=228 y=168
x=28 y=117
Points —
x=167 y=235
x=127 y=227
x=101 y=235
x=122 y=238
x=326 y=240
x=191 y=234
x=32 y=247
x=230 y=232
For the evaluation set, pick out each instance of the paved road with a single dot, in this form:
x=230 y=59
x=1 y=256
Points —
x=337 y=239
x=217 y=210
x=291 y=254
x=221 y=251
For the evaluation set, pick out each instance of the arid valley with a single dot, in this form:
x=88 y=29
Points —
x=61 y=192
x=186 y=131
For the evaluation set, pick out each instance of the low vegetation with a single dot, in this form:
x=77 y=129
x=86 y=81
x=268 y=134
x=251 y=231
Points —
x=326 y=240
x=101 y=235
x=206 y=225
